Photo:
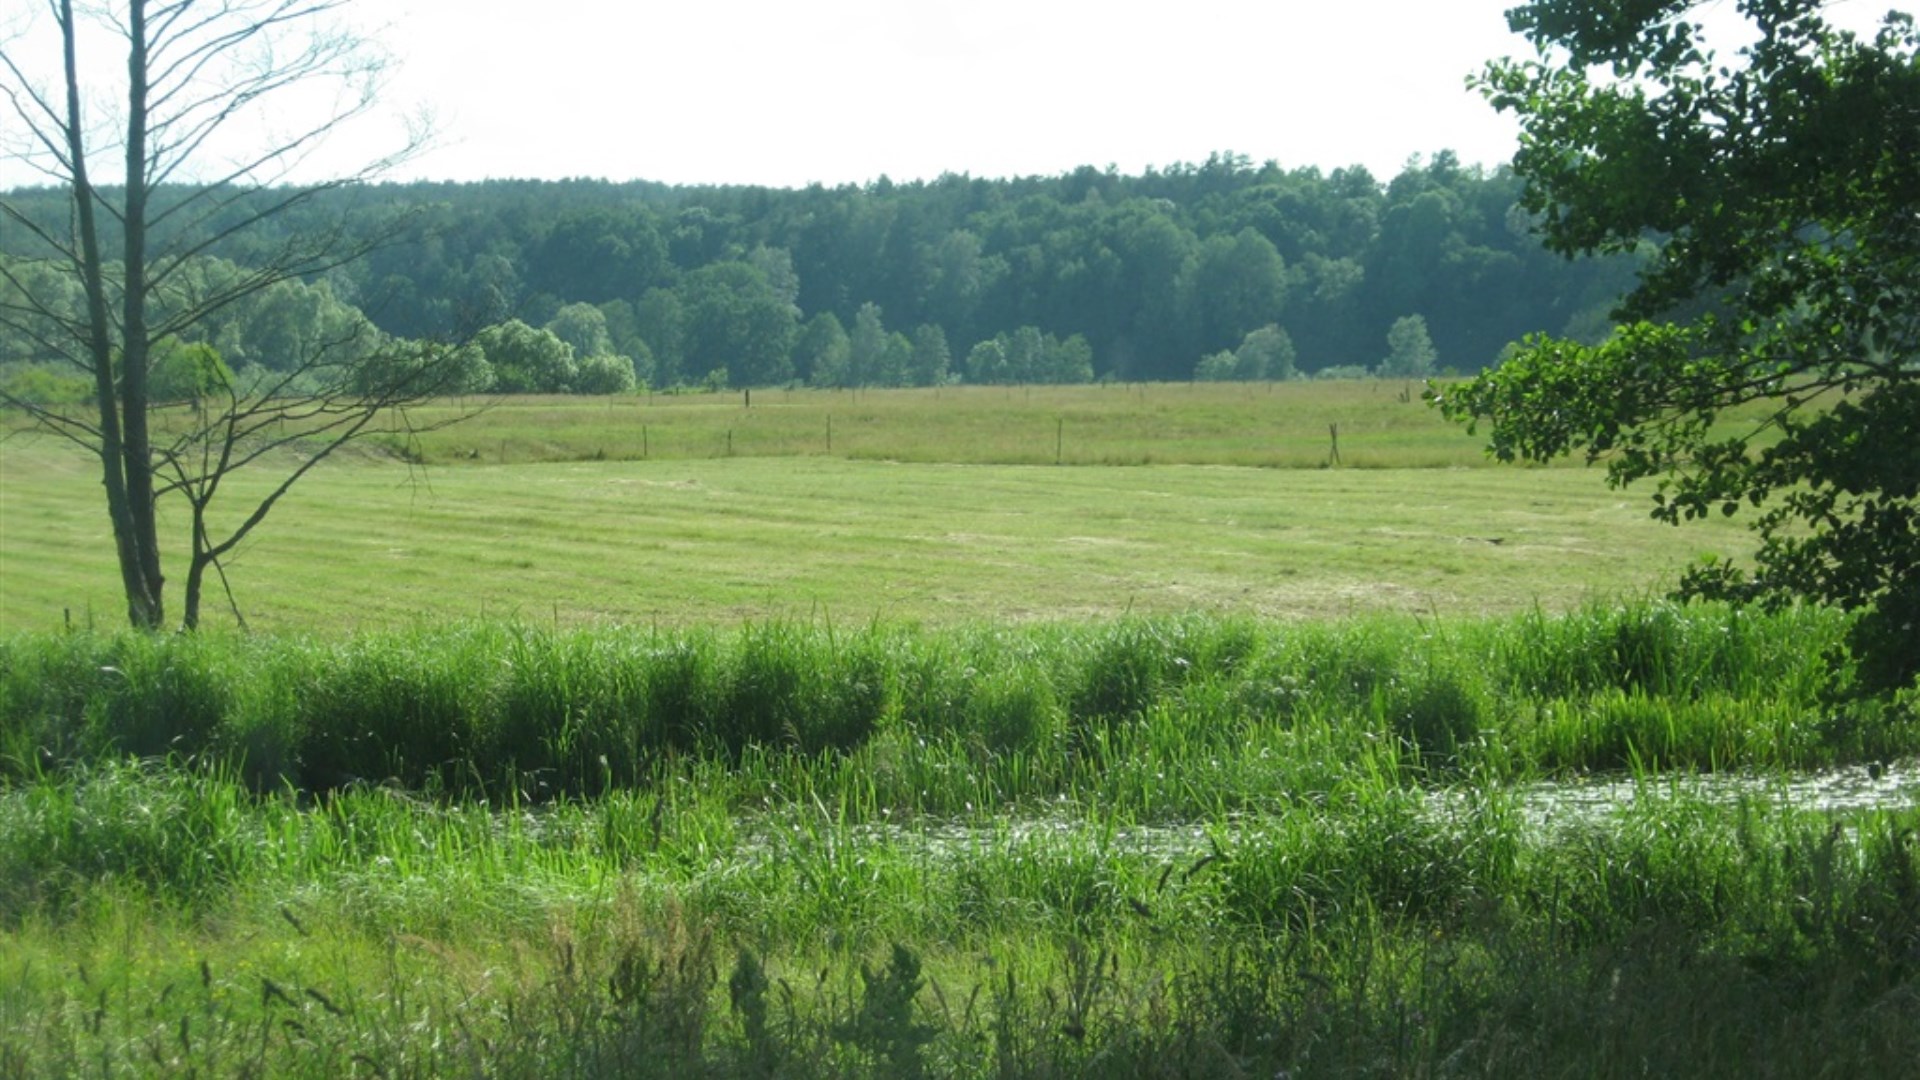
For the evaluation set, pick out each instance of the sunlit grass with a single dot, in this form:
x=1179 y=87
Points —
x=1371 y=424
x=718 y=541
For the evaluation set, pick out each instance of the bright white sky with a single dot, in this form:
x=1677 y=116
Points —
x=786 y=93
x=790 y=92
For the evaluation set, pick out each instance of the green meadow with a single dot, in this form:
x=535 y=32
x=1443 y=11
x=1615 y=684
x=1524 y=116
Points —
x=935 y=506
x=1284 y=425
x=1114 y=731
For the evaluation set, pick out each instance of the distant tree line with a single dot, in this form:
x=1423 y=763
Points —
x=1222 y=270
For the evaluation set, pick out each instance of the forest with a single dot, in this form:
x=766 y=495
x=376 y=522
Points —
x=1222 y=270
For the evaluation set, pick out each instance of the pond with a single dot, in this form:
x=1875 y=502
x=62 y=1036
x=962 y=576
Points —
x=1543 y=806
x=1851 y=789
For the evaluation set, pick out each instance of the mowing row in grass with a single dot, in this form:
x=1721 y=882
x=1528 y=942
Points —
x=715 y=542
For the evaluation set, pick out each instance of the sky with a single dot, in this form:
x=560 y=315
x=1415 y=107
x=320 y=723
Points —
x=838 y=91
x=792 y=92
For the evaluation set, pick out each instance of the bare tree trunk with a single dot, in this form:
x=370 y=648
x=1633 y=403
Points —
x=196 y=576
x=142 y=590
x=138 y=448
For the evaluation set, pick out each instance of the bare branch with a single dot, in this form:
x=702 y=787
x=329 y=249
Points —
x=63 y=247
x=33 y=112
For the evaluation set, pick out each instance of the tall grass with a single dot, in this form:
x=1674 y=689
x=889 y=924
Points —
x=1771 y=882
x=932 y=721
x=161 y=921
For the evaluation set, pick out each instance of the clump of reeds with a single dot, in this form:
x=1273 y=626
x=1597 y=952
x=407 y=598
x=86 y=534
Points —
x=1690 y=941
x=492 y=709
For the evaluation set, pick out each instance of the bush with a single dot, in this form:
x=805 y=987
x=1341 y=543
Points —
x=604 y=374
x=1343 y=371
x=1216 y=367
x=42 y=385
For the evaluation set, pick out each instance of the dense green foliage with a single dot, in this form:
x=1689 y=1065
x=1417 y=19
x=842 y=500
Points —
x=1152 y=272
x=1783 y=191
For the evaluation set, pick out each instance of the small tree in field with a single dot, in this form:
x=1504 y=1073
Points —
x=1216 y=367
x=526 y=359
x=1783 y=192
x=186 y=373
x=604 y=373
x=1266 y=353
x=188 y=82
x=1410 y=353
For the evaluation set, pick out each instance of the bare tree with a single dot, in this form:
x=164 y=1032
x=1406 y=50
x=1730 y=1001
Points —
x=207 y=120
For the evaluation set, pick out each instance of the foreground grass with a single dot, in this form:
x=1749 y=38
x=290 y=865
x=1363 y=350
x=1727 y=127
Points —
x=1157 y=847
x=196 y=929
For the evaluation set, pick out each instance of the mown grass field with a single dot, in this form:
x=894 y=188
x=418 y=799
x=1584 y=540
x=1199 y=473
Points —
x=930 y=757
x=1381 y=424
x=924 y=513
x=1274 y=425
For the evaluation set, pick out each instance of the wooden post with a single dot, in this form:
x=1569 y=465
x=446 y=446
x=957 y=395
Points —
x=1059 y=436
x=1333 y=430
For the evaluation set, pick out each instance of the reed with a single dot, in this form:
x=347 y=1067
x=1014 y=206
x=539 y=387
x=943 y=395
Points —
x=161 y=920
x=920 y=720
